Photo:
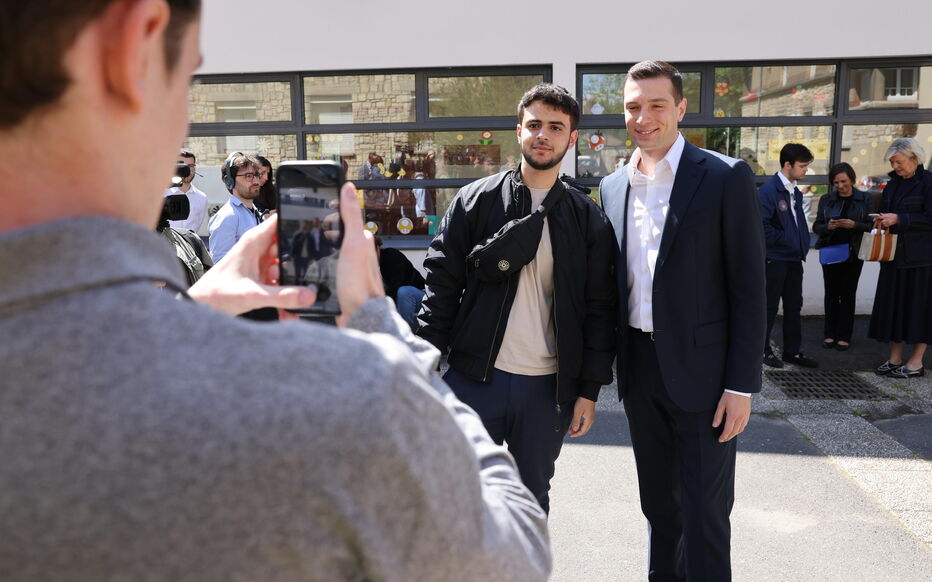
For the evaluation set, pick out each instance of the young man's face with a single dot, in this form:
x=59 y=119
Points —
x=796 y=170
x=652 y=114
x=247 y=183
x=545 y=135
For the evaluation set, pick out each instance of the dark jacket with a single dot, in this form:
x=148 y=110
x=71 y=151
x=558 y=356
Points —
x=469 y=317
x=397 y=272
x=911 y=200
x=831 y=205
x=785 y=242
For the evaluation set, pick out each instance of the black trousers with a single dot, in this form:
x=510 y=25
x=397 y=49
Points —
x=841 y=287
x=686 y=478
x=522 y=411
x=785 y=281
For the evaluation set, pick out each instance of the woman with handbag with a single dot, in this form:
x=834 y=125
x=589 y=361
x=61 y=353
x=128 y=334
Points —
x=840 y=221
x=903 y=301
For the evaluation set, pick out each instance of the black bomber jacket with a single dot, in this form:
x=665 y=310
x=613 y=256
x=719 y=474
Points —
x=468 y=317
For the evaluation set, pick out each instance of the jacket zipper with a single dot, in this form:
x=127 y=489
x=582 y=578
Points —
x=556 y=338
x=498 y=323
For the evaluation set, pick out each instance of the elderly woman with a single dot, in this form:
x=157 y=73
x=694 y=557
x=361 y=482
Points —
x=902 y=306
x=841 y=220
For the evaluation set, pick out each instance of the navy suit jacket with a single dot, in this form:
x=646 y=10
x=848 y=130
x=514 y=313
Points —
x=708 y=288
x=785 y=241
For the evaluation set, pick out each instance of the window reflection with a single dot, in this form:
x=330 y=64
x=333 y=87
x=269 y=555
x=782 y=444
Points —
x=601 y=151
x=863 y=146
x=405 y=211
x=477 y=96
x=890 y=88
x=401 y=155
x=603 y=93
x=359 y=99
x=240 y=102
x=774 y=91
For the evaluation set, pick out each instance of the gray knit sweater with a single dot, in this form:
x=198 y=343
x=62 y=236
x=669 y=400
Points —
x=142 y=438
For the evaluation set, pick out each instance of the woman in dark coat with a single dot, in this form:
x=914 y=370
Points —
x=841 y=220
x=903 y=302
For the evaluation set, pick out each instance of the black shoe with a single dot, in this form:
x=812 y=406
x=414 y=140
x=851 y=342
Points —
x=904 y=372
x=773 y=361
x=800 y=360
x=885 y=368
x=842 y=348
x=828 y=344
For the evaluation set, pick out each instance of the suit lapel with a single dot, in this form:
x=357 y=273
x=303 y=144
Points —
x=688 y=176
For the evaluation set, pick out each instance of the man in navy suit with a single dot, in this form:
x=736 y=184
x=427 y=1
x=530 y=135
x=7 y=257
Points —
x=787 y=234
x=690 y=261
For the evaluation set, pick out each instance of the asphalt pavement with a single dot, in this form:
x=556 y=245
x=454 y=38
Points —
x=827 y=489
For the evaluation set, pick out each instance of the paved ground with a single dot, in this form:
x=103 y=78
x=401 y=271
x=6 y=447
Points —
x=832 y=490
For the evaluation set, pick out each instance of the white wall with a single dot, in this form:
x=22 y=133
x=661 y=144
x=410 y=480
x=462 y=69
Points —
x=242 y=36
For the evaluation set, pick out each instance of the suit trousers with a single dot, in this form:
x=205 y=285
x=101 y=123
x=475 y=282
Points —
x=521 y=411
x=686 y=478
x=785 y=281
x=841 y=287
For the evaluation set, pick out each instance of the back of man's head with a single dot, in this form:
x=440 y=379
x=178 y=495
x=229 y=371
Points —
x=553 y=95
x=36 y=35
x=793 y=153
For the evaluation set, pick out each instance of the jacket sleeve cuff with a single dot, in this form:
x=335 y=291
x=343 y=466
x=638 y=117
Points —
x=590 y=390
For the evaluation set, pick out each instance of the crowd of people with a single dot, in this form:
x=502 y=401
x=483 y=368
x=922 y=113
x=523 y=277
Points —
x=902 y=312
x=152 y=435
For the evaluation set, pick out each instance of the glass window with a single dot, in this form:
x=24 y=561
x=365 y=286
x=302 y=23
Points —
x=359 y=99
x=394 y=155
x=496 y=95
x=864 y=146
x=601 y=151
x=405 y=211
x=602 y=93
x=240 y=102
x=890 y=88
x=212 y=151
x=784 y=90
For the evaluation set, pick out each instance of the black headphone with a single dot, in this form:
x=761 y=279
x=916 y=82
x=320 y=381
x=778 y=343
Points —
x=226 y=174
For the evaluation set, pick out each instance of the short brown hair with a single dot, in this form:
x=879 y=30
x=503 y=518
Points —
x=34 y=37
x=553 y=95
x=655 y=69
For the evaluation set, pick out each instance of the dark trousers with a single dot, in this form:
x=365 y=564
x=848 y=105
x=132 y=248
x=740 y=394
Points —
x=841 y=286
x=785 y=281
x=522 y=411
x=686 y=478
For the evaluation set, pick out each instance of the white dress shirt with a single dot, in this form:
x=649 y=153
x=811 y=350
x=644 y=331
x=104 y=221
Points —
x=791 y=188
x=648 y=203
x=198 y=202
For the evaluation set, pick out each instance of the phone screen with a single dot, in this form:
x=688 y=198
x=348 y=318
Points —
x=310 y=230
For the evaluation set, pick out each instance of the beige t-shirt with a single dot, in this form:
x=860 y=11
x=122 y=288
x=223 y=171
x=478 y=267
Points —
x=529 y=347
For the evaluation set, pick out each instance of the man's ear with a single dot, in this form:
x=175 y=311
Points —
x=133 y=48
x=574 y=136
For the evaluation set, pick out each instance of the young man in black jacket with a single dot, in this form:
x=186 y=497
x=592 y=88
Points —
x=526 y=310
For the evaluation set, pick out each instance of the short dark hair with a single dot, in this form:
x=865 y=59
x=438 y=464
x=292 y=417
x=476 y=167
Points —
x=793 y=153
x=187 y=153
x=34 y=37
x=841 y=168
x=239 y=162
x=554 y=96
x=656 y=69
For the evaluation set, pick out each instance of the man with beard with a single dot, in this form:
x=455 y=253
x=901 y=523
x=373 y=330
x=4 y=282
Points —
x=241 y=175
x=525 y=302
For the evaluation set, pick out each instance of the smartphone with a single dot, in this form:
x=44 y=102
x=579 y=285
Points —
x=310 y=230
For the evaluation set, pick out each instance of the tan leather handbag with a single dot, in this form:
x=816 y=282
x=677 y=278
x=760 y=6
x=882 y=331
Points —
x=877 y=245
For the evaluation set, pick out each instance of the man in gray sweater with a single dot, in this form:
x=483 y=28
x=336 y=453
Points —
x=341 y=457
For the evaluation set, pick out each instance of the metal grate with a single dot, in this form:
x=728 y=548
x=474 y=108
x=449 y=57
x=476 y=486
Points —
x=825 y=385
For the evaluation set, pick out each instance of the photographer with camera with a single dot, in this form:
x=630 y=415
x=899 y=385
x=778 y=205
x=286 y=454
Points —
x=197 y=200
x=190 y=249
x=341 y=457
